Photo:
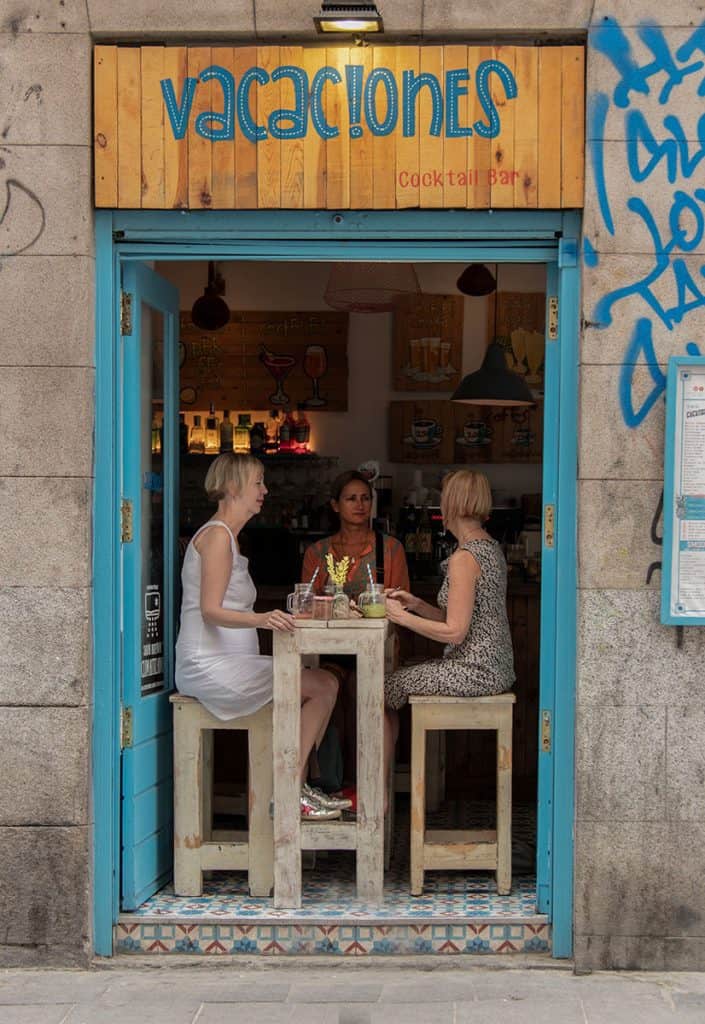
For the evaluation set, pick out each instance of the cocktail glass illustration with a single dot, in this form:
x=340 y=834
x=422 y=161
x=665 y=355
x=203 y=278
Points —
x=279 y=367
x=315 y=366
x=518 y=337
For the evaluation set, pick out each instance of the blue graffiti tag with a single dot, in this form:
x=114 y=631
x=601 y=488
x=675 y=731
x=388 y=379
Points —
x=664 y=145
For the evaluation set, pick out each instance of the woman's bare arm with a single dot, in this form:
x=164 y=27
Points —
x=452 y=628
x=213 y=545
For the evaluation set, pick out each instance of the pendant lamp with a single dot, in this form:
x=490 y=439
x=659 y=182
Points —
x=494 y=383
x=476 y=279
x=211 y=312
x=369 y=287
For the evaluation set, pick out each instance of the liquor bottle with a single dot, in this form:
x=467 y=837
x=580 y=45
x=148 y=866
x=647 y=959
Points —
x=212 y=433
x=156 y=436
x=183 y=434
x=226 y=432
x=273 y=424
x=286 y=433
x=242 y=434
x=424 y=542
x=302 y=432
x=197 y=440
x=258 y=438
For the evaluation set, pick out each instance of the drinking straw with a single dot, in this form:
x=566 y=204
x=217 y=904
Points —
x=313 y=578
x=369 y=573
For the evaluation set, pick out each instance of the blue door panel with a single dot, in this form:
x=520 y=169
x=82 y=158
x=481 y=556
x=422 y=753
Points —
x=149 y=483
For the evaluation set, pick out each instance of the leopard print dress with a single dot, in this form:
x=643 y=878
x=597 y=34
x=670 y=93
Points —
x=483 y=663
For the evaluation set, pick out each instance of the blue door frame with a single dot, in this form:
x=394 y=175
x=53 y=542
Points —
x=419 y=236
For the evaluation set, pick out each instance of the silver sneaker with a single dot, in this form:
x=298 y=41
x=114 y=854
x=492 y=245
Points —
x=331 y=803
x=311 y=810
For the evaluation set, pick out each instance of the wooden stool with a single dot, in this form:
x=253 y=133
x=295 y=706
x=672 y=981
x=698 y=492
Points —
x=197 y=846
x=451 y=848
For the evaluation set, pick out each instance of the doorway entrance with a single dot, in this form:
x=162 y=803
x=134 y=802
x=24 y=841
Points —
x=142 y=597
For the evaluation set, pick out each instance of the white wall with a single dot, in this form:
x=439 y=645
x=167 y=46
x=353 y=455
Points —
x=361 y=432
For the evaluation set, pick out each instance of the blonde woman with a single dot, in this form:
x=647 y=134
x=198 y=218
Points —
x=217 y=652
x=470 y=617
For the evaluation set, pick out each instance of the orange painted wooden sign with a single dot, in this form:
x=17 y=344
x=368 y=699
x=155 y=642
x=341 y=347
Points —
x=292 y=127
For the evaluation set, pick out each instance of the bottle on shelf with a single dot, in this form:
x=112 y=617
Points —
x=212 y=432
x=258 y=438
x=286 y=435
x=156 y=436
x=226 y=432
x=183 y=434
x=302 y=432
x=242 y=434
x=273 y=424
x=197 y=439
x=410 y=539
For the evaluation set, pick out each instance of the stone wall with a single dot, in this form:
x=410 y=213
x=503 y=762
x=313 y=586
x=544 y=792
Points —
x=640 y=823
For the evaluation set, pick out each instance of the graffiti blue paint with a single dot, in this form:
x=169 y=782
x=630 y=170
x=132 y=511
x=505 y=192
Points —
x=672 y=286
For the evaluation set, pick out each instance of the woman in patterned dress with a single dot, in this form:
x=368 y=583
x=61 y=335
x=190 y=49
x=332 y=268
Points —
x=470 y=617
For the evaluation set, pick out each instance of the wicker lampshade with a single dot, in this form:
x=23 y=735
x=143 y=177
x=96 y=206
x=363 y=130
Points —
x=369 y=287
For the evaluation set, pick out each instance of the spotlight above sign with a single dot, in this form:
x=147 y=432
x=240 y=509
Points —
x=348 y=18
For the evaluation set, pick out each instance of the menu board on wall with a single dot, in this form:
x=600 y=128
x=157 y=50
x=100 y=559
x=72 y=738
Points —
x=683 y=577
x=428 y=342
x=266 y=360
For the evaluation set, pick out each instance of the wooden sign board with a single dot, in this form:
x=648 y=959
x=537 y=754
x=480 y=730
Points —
x=307 y=127
x=421 y=431
x=485 y=433
x=428 y=342
x=519 y=327
x=266 y=360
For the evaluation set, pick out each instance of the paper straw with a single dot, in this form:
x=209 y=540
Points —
x=369 y=573
x=313 y=578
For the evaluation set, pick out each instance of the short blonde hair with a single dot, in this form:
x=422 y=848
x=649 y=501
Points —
x=465 y=493
x=230 y=468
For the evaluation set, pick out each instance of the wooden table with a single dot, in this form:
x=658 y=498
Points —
x=366 y=639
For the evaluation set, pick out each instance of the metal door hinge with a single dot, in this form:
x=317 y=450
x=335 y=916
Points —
x=126 y=521
x=553 y=318
x=125 y=313
x=549 y=517
x=546 y=732
x=125 y=727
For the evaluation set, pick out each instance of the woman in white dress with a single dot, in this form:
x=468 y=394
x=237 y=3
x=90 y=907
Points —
x=217 y=651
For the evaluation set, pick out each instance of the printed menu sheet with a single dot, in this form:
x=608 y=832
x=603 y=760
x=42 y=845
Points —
x=687 y=596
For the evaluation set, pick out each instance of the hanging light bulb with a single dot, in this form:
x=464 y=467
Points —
x=211 y=312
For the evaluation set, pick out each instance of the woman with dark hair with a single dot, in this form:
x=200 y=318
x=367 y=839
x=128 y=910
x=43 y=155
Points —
x=371 y=554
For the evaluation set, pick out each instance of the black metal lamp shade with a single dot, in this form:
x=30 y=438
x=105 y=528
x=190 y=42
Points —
x=476 y=279
x=494 y=383
x=211 y=312
x=354 y=16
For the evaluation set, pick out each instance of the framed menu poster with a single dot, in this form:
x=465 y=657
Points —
x=683 y=575
x=428 y=342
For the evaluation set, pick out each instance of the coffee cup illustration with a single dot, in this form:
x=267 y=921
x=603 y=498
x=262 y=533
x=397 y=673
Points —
x=522 y=437
x=425 y=431
x=476 y=432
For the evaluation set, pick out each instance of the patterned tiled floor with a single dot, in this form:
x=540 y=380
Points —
x=458 y=912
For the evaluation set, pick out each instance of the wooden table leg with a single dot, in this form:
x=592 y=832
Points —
x=370 y=769
x=287 y=786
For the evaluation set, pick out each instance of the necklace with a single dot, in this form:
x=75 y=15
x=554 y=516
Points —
x=352 y=550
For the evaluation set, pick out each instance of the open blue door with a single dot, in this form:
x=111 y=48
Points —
x=547 y=660
x=150 y=308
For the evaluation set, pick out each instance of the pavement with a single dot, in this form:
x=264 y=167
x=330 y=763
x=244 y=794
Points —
x=445 y=991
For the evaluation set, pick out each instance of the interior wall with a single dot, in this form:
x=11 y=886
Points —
x=361 y=433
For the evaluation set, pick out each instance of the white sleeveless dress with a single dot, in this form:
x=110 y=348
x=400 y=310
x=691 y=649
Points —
x=219 y=666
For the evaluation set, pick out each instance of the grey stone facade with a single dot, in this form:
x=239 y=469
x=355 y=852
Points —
x=640 y=825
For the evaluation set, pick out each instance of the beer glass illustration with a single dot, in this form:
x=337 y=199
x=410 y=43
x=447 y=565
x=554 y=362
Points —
x=535 y=344
x=315 y=366
x=279 y=367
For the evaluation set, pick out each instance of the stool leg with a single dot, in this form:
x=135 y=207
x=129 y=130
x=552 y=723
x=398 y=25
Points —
x=435 y=775
x=389 y=820
x=188 y=824
x=207 y=739
x=260 y=825
x=504 y=804
x=418 y=799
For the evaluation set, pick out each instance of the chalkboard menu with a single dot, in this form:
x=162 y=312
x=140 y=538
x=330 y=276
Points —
x=683 y=576
x=265 y=360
